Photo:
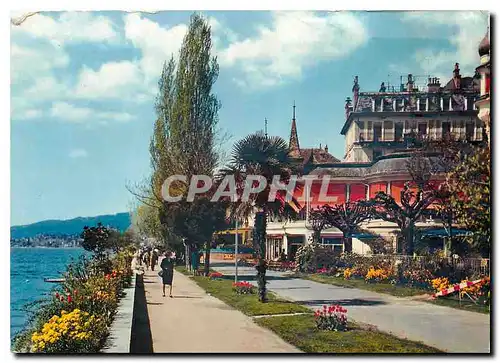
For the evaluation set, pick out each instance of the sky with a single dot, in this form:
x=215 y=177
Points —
x=83 y=86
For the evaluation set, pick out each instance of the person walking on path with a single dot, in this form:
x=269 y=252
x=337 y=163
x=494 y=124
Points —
x=154 y=259
x=146 y=259
x=167 y=272
x=195 y=262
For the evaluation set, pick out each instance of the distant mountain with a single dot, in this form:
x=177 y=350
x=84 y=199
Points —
x=119 y=221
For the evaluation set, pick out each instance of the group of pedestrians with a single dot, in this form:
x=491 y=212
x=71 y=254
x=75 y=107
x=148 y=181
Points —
x=150 y=258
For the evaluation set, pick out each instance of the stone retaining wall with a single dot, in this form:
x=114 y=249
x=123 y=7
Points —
x=121 y=329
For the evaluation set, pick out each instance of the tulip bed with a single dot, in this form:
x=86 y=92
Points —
x=77 y=316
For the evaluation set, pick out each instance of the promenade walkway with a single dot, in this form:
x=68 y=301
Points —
x=445 y=328
x=194 y=322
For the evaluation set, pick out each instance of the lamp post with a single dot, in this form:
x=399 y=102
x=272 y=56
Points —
x=236 y=252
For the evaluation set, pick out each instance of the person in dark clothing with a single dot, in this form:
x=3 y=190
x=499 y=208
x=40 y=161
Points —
x=167 y=272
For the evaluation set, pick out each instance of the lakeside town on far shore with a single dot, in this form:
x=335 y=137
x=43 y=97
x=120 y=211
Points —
x=47 y=240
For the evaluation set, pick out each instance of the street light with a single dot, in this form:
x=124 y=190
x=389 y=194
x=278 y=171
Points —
x=236 y=252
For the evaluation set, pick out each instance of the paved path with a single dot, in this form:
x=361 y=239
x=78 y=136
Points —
x=447 y=329
x=194 y=322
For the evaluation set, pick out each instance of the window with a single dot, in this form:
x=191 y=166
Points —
x=335 y=243
x=369 y=131
x=398 y=131
x=446 y=125
x=377 y=132
x=422 y=128
x=469 y=131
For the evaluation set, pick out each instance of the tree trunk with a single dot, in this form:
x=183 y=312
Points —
x=259 y=240
x=347 y=242
x=207 y=258
x=409 y=236
x=317 y=236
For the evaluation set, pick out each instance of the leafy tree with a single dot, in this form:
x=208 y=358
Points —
x=347 y=217
x=406 y=214
x=96 y=240
x=318 y=222
x=196 y=222
x=259 y=154
x=185 y=138
x=469 y=184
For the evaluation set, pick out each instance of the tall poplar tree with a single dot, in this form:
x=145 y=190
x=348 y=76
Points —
x=184 y=138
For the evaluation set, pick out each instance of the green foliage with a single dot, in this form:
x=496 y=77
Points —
x=469 y=184
x=313 y=256
x=96 y=240
x=88 y=293
x=259 y=154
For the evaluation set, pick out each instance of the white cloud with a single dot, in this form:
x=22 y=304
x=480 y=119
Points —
x=156 y=43
x=30 y=62
x=66 y=112
x=29 y=114
x=113 y=79
x=464 y=31
x=69 y=27
x=78 y=153
x=293 y=42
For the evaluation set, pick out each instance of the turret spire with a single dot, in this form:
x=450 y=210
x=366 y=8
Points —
x=294 y=139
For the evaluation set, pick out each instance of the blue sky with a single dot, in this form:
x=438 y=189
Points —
x=83 y=86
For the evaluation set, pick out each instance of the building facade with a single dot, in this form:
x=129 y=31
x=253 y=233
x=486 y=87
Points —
x=379 y=130
x=378 y=123
x=484 y=70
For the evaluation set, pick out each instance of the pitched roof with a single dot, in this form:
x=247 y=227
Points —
x=319 y=156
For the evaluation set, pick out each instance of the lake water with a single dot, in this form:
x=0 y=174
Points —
x=28 y=268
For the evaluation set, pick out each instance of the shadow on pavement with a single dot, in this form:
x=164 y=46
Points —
x=292 y=288
x=253 y=277
x=141 y=341
x=185 y=297
x=343 y=302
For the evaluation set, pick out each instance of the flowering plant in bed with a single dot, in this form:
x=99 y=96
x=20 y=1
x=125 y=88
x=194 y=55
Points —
x=333 y=317
x=243 y=287
x=377 y=274
x=75 y=332
x=215 y=275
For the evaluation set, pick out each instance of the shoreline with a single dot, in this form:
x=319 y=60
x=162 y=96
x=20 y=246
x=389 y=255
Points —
x=44 y=247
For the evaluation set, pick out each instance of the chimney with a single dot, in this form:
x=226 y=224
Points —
x=409 y=85
x=347 y=107
x=433 y=85
x=326 y=148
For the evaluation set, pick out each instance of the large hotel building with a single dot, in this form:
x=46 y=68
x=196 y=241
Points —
x=378 y=130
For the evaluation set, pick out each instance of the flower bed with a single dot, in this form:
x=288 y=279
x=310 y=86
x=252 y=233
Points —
x=243 y=287
x=333 y=317
x=215 y=275
x=77 y=316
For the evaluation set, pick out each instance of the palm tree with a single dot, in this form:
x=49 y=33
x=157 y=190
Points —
x=267 y=156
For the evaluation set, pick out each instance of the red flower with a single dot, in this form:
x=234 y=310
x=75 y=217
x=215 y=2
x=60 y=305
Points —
x=57 y=295
x=456 y=287
x=69 y=298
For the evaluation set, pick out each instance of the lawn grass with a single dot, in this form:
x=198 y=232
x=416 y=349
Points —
x=248 y=304
x=395 y=290
x=301 y=331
